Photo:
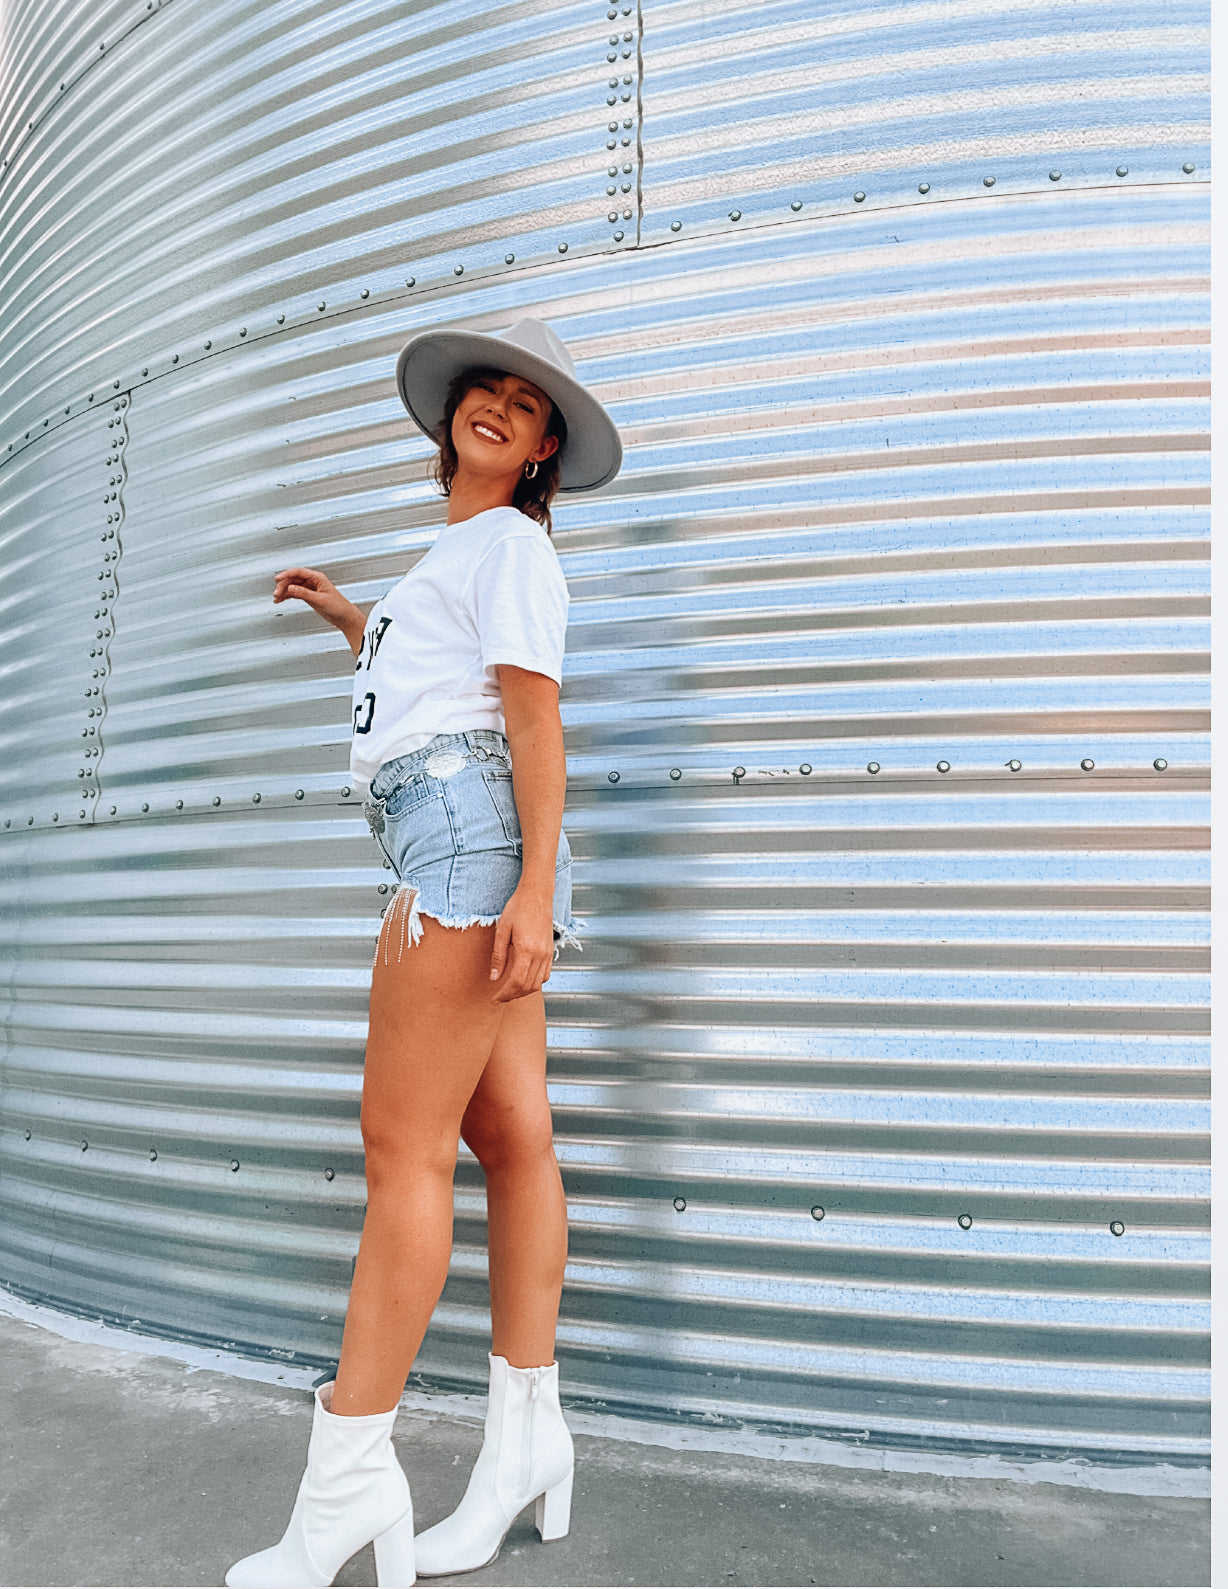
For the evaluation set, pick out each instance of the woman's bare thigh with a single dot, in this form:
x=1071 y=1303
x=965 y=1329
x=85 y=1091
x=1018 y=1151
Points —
x=509 y=1101
x=432 y=1026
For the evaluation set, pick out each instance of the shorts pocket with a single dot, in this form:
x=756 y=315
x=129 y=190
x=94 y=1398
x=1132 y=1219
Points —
x=407 y=794
x=498 y=782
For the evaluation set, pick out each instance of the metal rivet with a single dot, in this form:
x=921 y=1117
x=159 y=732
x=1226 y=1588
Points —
x=345 y=793
x=509 y=259
x=208 y=345
x=944 y=766
x=675 y=226
x=562 y=248
x=735 y=215
x=680 y=1203
x=818 y=1211
x=1117 y=1228
x=381 y=888
x=178 y=805
x=114 y=809
x=613 y=127
x=612 y=216
x=217 y=800
x=796 y=205
x=55 y=816
x=1014 y=765
x=411 y=281
x=626 y=215
x=612 y=777
x=84 y=1144
x=611 y=99
x=872 y=766
x=618 y=236
x=1123 y=171
x=611 y=144
x=674 y=772
x=923 y=187
x=1188 y=167
x=965 y=1222
x=458 y=270
x=989 y=181
x=153 y=1154
x=1087 y=764
x=281 y=319
x=144 y=369
x=30 y=821
x=329 y=1174
x=738 y=772
x=859 y=198
x=298 y=794
x=321 y=305
x=1055 y=176
x=145 y=807
x=255 y=799
x=1160 y=764
x=805 y=769
x=234 y=1164
x=27 y=1136
x=365 y=293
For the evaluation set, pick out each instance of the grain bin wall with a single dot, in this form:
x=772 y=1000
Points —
x=880 y=1084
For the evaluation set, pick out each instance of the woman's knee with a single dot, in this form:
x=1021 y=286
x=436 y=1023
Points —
x=509 y=1138
x=393 y=1150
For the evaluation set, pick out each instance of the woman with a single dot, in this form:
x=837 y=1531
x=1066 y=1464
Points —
x=457 y=736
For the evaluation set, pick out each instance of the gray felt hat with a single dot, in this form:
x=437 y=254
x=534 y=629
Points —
x=592 y=453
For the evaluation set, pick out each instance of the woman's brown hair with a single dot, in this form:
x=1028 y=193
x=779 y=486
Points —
x=531 y=496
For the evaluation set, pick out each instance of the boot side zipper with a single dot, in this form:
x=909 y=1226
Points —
x=527 y=1448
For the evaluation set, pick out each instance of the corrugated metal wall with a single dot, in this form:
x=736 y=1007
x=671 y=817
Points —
x=880 y=1085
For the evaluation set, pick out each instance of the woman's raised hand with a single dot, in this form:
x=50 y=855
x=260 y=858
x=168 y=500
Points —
x=319 y=592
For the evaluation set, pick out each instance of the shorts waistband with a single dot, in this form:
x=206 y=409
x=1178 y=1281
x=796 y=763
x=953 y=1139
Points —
x=487 y=744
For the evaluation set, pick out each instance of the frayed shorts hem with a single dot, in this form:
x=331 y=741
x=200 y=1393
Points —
x=410 y=921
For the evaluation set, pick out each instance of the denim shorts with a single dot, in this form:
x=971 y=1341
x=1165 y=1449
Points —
x=445 y=818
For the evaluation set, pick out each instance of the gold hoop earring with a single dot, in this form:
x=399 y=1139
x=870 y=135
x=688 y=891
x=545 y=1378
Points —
x=530 y=469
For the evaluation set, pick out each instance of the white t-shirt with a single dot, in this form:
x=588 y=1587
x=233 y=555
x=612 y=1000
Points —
x=489 y=591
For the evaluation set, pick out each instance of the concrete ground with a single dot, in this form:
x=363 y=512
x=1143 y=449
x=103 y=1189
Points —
x=125 y=1467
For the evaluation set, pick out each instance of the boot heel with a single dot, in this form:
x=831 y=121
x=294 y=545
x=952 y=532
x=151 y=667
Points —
x=394 y=1555
x=552 y=1509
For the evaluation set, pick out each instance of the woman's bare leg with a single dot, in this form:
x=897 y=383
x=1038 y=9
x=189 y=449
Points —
x=508 y=1126
x=432 y=1027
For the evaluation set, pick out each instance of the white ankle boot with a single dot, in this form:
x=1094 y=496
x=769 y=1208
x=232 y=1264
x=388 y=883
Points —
x=353 y=1491
x=526 y=1455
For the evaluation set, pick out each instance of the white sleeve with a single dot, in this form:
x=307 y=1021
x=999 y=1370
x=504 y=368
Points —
x=520 y=605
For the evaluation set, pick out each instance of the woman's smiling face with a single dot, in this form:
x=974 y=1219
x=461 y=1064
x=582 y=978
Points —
x=500 y=425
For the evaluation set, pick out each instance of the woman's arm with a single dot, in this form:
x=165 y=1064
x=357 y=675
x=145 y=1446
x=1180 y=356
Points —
x=319 y=592
x=524 y=940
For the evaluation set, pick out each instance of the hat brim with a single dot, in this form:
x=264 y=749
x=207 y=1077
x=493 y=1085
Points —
x=593 y=452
